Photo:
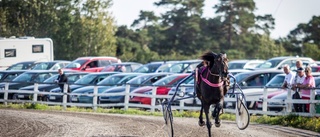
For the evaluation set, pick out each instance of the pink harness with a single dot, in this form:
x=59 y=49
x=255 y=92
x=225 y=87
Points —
x=207 y=81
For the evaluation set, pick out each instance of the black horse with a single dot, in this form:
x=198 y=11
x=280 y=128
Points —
x=212 y=83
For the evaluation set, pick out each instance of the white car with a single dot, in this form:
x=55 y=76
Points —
x=244 y=64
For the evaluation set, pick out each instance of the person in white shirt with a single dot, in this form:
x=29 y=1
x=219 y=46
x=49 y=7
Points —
x=299 y=78
x=289 y=78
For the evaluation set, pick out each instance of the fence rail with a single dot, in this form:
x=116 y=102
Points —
x=287 y=108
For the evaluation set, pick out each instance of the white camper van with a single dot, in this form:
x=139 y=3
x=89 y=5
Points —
x=14 y=50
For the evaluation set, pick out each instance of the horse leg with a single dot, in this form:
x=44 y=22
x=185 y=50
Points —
x=217 y=122
x=201 y=122
x=206 y=111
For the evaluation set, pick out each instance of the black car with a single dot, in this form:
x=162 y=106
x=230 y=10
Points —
x=89 y=79
x=26 y=79
x=9 y=75
x=25 y=65
x=47 y=85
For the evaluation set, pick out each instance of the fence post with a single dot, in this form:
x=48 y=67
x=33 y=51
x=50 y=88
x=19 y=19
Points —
x=65 y=96
x=35 y=93
x=312 y=109
x=289 y=102
x=126 y=97
x=265 y=99
x=5 y=96
x=183 y=89
x=153 y=98
x=95 y=98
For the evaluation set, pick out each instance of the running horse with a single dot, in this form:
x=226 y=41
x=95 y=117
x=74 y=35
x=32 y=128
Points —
x=212 y=83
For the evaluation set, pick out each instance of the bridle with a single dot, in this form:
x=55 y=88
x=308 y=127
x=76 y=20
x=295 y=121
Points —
x=219 y=74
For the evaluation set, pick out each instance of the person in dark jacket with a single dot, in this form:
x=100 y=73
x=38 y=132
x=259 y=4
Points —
x=61 y=80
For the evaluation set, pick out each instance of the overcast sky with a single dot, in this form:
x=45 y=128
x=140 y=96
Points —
x=287 y=13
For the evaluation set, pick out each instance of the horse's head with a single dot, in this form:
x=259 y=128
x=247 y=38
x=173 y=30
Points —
x=216 y=63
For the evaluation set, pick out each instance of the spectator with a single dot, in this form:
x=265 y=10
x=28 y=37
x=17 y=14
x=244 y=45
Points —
x=288 y=80
x=299 y=64
x=61 y=80
x=308 y=83
x=299 y=78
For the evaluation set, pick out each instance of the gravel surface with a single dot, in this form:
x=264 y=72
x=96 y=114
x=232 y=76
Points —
x=33 y=123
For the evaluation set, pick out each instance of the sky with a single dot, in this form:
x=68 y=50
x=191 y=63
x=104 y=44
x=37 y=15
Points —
x=287 y=13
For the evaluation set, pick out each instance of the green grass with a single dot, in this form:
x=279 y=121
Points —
x=308 y=123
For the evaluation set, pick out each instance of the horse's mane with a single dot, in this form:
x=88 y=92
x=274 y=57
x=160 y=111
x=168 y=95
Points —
x=209 y=56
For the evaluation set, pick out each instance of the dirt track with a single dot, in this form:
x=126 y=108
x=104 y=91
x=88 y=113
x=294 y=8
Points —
x=32 y=123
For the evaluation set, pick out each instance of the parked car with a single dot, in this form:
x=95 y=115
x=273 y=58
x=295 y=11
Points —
x=28 y=78
x=9 y=75
x=25 y=65
x=47 y=85
x=279 y=62
x=249 y=83
x=91 y=64
x=89 y=79
x=163 y=87
x=122 y=67
x=189 y=94
x=315 y=68
x=50 y=65
x=186 y=66
x=109 y=82
x=244 y=64
x=142 y=80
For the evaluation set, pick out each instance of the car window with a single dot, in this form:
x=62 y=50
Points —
x=236 y=65
x=276 y=81
x=112 y=80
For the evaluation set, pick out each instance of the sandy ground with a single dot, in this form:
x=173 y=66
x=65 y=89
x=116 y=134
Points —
x=35 y=123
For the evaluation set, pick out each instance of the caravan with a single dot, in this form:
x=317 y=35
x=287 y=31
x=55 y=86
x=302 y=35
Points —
x=14 y=50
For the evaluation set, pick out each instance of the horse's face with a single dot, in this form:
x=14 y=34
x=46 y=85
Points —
x=220 y=65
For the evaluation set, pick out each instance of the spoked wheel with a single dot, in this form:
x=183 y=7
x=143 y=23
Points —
x=242 y=114
x=167 y=115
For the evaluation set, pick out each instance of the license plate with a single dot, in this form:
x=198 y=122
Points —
x=74 y=99
x=20 y=96
x=52 y=97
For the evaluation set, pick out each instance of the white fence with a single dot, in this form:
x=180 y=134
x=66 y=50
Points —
x=155 y=106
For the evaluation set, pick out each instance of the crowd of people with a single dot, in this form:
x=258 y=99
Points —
x=300 y=82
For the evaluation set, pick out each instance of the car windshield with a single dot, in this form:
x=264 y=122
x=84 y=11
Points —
x=51 y=79
x=239 y=77
x=10 y=77
x=276 y=81
x=25 y=77
x=270 y=63
x=139 y=80
x=43 y=66
x=147 y=68
x=87 y=79
x=234 y=65
x=76 y=63
x=32 y=77
x=112 y=80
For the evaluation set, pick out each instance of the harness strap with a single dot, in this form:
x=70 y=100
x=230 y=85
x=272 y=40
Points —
x=207 y=81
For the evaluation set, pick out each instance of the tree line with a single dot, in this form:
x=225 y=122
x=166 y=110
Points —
x=87 y=28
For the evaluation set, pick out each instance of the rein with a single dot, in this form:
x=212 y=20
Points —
x=207 y=81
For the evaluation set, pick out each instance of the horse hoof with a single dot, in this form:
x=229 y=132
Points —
x=201 y=124
x=217 y=123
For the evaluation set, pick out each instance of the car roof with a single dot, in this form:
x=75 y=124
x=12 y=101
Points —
x=289 y=57
x=97 y=57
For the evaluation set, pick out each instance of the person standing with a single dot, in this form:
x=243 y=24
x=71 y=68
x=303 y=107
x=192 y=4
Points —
x=299 y=78
x=61 y=80
x=288 y=80
x=299 y=64
x=307 y=84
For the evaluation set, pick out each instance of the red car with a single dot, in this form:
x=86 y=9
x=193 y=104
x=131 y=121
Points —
x=91 y=64
x=164 y=85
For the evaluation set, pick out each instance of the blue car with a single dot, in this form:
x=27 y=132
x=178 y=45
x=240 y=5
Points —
x=111 y=81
